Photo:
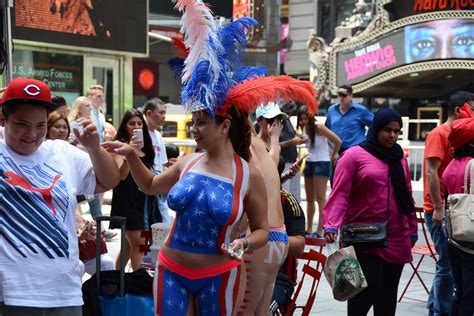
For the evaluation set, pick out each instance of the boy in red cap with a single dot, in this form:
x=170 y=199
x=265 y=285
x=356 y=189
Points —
x=39 y=179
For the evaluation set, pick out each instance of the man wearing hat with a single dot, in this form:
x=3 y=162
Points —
x=39 y=179
x=437 y=155
x=348 y=119
x=461 y=138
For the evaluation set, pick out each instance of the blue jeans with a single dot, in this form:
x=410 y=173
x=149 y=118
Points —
x=94 y=206
x=441 y=294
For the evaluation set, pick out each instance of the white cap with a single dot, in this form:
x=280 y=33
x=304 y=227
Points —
x=269 y=111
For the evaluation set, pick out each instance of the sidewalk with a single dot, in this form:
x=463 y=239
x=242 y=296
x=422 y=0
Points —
x=414 y=302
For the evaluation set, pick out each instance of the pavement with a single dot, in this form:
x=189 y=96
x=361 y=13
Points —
x=413 y=303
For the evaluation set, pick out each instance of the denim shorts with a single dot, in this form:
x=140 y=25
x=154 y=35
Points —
x=317 y=169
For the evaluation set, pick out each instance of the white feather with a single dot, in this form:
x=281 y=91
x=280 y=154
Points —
x=198 y=24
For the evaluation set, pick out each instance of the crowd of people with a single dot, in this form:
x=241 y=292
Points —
x=258 y=222
x=231 y=188
x=238 y=225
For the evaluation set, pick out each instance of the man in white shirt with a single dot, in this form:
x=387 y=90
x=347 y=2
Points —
x=96 y=94
x=40 y=270
x=155 y=112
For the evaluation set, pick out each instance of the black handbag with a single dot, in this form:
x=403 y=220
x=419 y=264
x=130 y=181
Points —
x=364 y=235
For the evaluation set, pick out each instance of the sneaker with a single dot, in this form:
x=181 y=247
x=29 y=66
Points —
x=109 y=234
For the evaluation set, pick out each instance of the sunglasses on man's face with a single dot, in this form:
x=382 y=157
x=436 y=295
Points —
x=342 y=95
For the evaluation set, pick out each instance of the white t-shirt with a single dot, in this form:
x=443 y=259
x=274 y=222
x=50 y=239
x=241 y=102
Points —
x=320 y=151
x=160 y=150
x=39 y=256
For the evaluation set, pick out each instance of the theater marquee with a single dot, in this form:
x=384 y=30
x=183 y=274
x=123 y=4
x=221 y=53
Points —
x=399 y=9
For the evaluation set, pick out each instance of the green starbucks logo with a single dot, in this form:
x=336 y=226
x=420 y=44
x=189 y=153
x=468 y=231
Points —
x=349 y=276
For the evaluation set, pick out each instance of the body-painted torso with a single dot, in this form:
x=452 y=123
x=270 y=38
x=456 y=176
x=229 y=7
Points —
x=207 y=207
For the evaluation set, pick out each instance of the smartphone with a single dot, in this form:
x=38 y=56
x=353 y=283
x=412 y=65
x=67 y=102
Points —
x=138 y=133
x=300 y=160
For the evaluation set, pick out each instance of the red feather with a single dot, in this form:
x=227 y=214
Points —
x=248 y=95
x=181 y=49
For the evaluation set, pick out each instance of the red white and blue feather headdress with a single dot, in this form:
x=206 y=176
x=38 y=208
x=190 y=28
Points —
x=213 y=77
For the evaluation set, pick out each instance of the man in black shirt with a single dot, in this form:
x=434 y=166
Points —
x=288 y=142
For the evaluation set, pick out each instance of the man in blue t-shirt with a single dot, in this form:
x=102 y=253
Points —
x=348 y=119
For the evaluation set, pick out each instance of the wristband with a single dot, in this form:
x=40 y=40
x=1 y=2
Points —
x=247 y=246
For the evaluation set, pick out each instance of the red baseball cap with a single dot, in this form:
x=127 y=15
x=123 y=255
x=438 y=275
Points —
x=27 y=90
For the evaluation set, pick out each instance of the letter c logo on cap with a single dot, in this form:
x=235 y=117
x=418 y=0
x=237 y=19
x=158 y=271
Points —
x=32 y=90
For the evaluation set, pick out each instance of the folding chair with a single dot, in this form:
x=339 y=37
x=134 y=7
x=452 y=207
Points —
x=423 y=250
x=314 y=269
x=316 y=242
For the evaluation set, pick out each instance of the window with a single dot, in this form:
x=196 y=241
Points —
x=170 y=129
x=189 y=125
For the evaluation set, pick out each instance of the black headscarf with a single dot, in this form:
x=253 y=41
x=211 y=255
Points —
x=393 y=156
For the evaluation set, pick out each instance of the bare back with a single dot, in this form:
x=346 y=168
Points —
x=262 y=160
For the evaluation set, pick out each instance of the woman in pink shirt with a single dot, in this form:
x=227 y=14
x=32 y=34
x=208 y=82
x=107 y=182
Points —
x=363 y=193
x=462 y=263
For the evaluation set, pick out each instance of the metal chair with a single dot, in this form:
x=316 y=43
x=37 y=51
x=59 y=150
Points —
x=423 y=250
x=312 y=271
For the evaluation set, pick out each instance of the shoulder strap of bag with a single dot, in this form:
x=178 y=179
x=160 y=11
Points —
x=469 y=189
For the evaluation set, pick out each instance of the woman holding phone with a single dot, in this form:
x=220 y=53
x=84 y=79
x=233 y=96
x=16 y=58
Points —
x=128 y=200
x=317 y=169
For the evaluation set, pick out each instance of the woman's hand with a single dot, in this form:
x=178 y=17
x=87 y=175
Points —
x=297 y=140
x=136 y=142
x=87 y=134
x=86 y=231
x=274 y=129
x=330 y=237
x=235 y=249
x=117 y=147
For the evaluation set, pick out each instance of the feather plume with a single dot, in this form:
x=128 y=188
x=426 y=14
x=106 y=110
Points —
x=199 y=27
x=234 y=40
x=176 y=65
x=197 y=94
x=248 y=95
x=181 y=49
x=246 y=72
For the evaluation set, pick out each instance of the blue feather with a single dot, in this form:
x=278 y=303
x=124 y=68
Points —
x=176 y=65
x=198 y=94
x=246 y=72
x=234 y=40
x=206 y=90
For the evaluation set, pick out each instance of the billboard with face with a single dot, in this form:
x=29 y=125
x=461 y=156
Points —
x=433 y=40
x=439 y=39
